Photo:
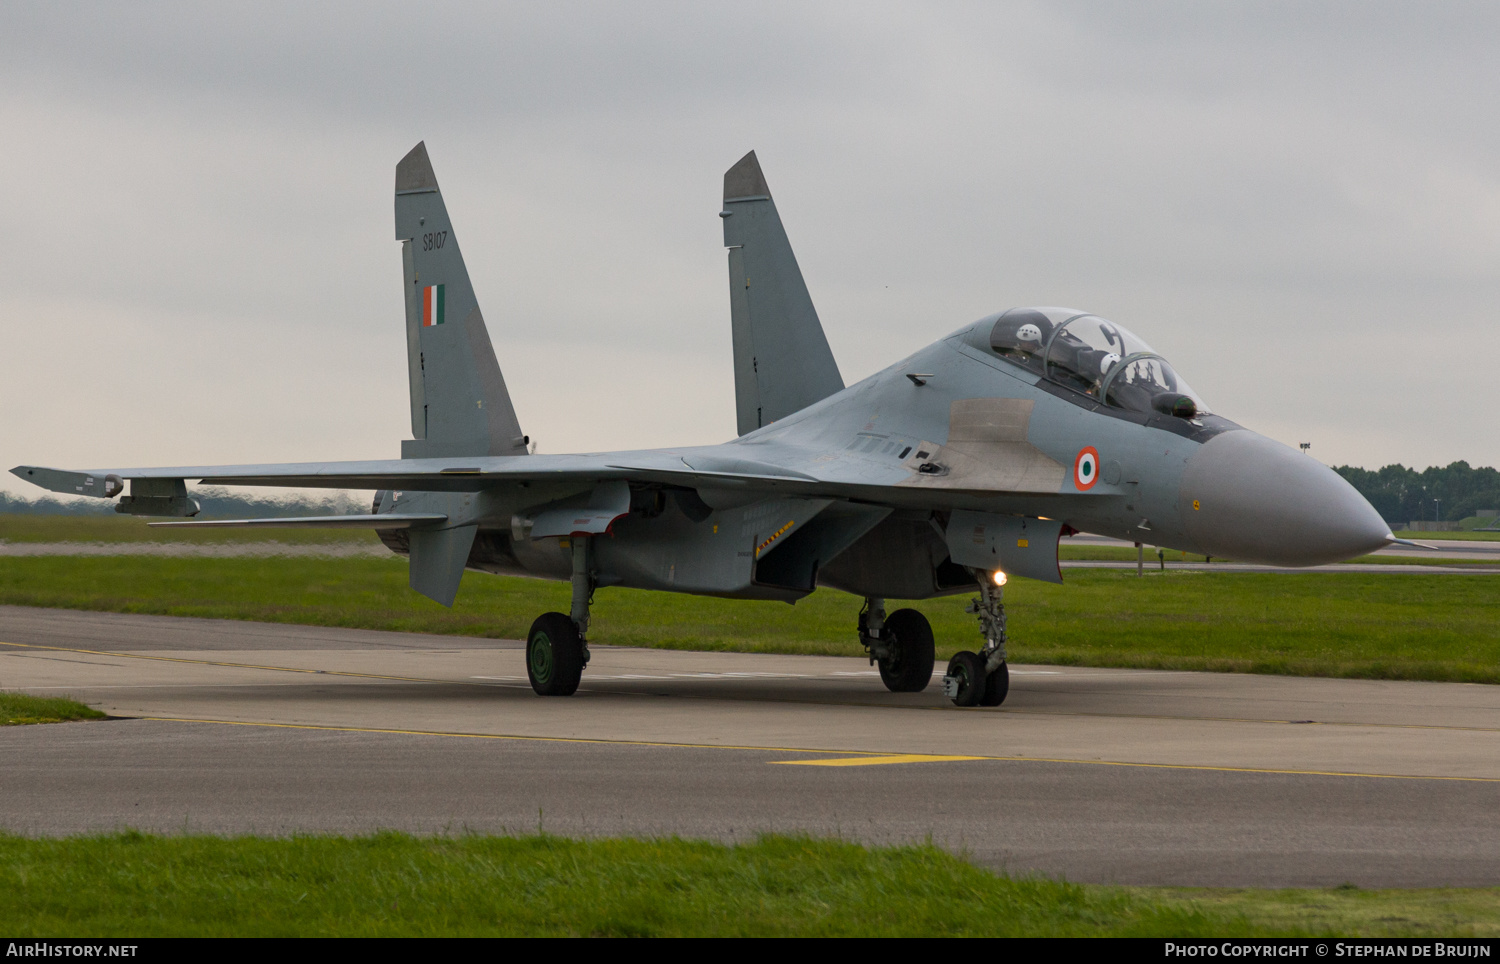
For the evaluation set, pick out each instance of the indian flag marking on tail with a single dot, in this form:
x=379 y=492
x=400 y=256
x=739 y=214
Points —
x=432 y=306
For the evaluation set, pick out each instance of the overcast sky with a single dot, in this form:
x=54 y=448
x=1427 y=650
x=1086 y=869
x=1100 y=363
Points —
x=1297 y=203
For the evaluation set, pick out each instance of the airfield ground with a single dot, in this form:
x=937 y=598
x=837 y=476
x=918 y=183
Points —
x=1101 y=775
x=1107 y=775
x=1382 y=624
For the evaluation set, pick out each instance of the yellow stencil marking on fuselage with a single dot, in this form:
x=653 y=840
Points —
x=774 y=536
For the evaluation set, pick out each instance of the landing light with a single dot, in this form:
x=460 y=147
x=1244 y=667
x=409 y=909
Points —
x=999 y=577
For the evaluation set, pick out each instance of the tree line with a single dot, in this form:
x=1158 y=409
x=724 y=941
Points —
x=1449 y=493
x=213 y=502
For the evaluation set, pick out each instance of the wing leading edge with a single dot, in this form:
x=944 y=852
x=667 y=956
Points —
x=434 y=475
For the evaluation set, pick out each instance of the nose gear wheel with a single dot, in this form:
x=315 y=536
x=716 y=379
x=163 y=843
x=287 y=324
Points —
x=964 y=683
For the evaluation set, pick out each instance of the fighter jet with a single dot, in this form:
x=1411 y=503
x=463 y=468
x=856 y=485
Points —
x=951 y=471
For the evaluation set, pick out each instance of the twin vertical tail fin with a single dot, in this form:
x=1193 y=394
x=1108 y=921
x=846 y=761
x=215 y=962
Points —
x=782 y=362
x=459 y=403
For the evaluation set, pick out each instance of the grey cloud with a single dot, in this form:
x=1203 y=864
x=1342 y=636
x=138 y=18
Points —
x=1293 y=201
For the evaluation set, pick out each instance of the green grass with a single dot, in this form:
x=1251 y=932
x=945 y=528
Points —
x=1088 y=553
x=1094 y=553
x=122 y=528
x=397 y=885
x=17 y=709
x=1461 y=535
x=1415 y=626
x=390 y=885
x=1350 y=911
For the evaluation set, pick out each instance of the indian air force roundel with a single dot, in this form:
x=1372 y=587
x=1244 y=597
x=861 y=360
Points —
x=1086 y=468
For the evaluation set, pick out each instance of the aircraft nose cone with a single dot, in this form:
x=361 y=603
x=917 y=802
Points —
x=1248 y=498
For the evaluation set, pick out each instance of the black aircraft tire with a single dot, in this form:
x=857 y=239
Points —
x=554 y=655
x=968 y=669
x=910 y=670
x=996 y=685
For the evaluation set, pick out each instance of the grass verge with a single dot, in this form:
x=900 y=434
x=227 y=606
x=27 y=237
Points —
x=1468 y=535
x=1127 y=554
x=15 y=527
x=1412 y=626
x=18 y=709
x=395 y=885
x=1350 y=911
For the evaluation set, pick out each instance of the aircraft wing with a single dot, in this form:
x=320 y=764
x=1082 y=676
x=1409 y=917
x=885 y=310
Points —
x=460 y=474
x=705 y=467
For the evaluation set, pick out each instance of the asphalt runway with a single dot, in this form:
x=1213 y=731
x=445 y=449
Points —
x=1120 y=776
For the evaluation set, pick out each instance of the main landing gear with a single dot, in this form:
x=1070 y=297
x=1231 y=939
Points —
x=557 y=648
x=900 y=644
x=982 y=678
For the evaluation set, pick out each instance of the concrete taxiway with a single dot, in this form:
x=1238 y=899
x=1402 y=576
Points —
x=1093 y=774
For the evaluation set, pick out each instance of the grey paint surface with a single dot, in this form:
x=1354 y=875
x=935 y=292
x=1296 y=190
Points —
x=460 y=405
x=1258 y=495
x=1103 y=775
x=782 y=362
x=437 y=560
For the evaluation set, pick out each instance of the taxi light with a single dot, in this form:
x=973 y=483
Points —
x=999 y=577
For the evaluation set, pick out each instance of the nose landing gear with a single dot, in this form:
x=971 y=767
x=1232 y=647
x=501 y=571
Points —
x=982 y=678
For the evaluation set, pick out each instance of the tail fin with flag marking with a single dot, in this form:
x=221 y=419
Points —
x=459 y=403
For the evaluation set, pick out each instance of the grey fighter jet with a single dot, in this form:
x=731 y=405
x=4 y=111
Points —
x=951 y=471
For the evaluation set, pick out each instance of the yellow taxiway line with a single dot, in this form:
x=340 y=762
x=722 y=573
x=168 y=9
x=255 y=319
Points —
x=849 y=756
x=869 y=761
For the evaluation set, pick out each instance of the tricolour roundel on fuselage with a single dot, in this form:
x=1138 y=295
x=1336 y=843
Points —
x=1086 y=468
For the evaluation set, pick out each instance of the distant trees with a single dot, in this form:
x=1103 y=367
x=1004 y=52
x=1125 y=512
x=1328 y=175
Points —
x=1403 y=495
x=216 y=503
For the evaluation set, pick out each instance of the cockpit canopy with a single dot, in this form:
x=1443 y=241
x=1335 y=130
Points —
x=1095 y=357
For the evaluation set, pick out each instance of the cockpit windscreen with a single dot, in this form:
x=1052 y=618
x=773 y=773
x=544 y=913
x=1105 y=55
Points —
x=1090 y=355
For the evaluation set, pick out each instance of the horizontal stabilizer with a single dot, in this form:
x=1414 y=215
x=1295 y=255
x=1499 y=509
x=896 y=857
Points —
x=391 y=520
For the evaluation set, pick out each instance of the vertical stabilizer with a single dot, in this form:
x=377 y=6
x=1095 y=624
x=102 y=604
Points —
x=782 y=362
x=459 y=403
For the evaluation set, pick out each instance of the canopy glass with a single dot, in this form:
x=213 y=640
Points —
x=1090 y=355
